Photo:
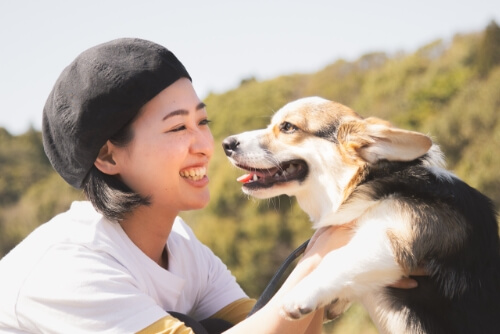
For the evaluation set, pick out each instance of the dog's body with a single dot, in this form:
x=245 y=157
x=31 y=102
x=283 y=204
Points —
x=408 y=211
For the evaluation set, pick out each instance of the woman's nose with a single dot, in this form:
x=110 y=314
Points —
x=204 y=143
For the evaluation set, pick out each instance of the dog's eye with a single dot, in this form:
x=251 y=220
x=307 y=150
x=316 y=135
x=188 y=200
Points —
x=287 y=127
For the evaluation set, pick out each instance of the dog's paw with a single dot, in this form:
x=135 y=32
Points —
x=296 y=306
x=336 y=308
x=293 y=311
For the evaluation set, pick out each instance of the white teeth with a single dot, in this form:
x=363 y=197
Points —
x=291 y=169
x=255 y=177
x=195 y=174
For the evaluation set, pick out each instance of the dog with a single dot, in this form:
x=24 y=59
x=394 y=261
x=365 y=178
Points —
x=408 y=212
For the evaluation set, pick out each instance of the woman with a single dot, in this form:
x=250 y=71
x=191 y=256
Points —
x=124 y=123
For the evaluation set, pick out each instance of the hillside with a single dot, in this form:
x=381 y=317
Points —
x=448 y=89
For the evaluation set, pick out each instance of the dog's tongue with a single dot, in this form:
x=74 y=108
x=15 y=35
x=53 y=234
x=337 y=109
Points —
x=245 y=178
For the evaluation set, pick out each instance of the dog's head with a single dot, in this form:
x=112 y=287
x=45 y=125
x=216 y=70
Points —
x=317 y=150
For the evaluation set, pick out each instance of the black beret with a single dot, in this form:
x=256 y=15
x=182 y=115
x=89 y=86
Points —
x=96 y=95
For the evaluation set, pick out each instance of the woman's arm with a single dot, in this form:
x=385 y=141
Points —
x=268 y=319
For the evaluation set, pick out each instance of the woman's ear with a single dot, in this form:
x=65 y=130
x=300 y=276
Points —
x=104 y=161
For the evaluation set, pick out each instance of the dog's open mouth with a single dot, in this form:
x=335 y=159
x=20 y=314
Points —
x=265 y=178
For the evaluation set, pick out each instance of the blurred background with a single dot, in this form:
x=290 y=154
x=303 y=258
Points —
x=430 y=66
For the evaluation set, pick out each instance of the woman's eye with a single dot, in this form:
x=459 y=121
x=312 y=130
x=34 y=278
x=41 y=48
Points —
x=288 y=127
x=179 y=128
x=183 y=127
x=205 y=122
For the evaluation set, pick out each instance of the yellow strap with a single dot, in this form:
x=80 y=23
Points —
x=236 y=311
x=233 y=313
x=167 y=325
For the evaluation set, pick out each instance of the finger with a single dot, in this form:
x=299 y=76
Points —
x=404 y=283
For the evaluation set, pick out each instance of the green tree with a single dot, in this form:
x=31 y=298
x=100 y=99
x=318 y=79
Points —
x=22 y=163
x=488 y=55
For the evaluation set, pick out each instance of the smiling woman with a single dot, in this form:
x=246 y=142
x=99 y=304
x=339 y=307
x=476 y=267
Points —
x=124 y=124
x=171 y=140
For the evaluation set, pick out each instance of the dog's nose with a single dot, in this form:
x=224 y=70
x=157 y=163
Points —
x=230 y=144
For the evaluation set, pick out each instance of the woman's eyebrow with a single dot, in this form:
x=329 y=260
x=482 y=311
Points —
x=183 y=112
x=201 y=106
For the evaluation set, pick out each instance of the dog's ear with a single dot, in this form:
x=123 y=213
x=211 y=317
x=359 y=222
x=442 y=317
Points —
x=374 y=139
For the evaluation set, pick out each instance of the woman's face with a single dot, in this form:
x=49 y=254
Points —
x=168 y=156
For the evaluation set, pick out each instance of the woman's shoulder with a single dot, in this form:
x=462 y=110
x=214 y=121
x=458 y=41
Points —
x=79 y=226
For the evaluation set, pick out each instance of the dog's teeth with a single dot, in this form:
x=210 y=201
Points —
x=255 y=177
x=291 y=169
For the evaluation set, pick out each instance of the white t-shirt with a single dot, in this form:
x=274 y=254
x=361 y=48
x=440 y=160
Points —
x=80 y=273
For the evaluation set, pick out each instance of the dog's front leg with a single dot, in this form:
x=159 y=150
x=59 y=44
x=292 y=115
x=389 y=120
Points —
x=364 y=264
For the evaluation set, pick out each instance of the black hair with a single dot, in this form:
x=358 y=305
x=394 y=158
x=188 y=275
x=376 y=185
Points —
x=108 y=194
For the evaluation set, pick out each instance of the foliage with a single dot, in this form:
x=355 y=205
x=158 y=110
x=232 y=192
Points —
x=22 y=162
x=488 y=55
x=37 y=205
x=449 y=90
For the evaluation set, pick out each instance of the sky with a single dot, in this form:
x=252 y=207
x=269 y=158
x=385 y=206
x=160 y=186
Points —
x=220 y=42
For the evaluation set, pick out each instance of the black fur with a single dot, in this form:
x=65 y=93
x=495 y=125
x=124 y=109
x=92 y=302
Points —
x=462 y=293
x=329 y=133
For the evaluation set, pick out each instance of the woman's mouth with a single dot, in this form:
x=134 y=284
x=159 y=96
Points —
x=195 y=173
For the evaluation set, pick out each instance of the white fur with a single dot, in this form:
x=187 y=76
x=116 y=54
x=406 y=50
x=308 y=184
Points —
x=365 y=265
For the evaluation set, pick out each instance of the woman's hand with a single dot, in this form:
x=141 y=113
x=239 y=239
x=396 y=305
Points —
x=327 y=239
x=408 y=282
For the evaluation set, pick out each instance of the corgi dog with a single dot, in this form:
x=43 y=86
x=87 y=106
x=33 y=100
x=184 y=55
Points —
x=408 y=212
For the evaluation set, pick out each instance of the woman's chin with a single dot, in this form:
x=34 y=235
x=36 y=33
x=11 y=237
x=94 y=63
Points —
x=200 y=203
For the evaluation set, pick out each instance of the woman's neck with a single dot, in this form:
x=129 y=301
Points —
x=149 y=231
